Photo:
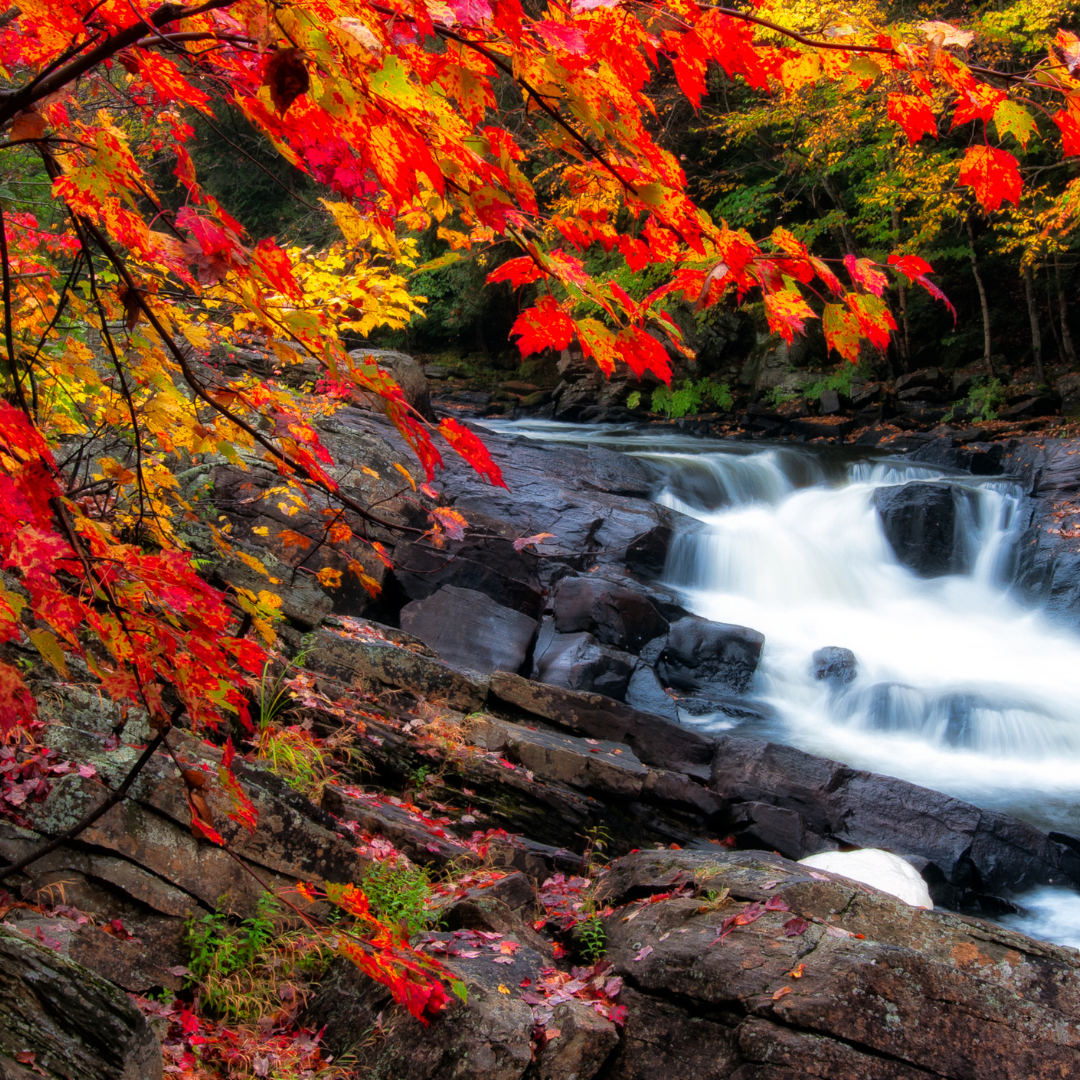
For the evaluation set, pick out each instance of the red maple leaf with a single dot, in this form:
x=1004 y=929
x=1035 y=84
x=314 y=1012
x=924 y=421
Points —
x=992 y=174
x=543 y=327
x=914 y=115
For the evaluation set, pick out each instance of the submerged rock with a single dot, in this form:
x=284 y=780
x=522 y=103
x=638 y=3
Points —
x=834 y=664
x=919 y=520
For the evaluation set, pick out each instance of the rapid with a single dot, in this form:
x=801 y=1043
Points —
x=959 y=686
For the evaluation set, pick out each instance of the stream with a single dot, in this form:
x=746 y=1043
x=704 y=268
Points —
x=959 y=687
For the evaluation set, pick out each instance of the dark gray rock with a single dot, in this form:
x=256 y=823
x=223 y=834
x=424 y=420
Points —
x=468 y=629
x=407 y=373
x=616 y=614
x=74 y=1024
x=920 y=521
x=969 y=852
x=924 y=377
x=580 y=662
x=1047 y=565
x=701 y=655
x=834 y=664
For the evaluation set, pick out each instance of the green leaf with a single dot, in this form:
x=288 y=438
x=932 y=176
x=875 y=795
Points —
x=1013 y=119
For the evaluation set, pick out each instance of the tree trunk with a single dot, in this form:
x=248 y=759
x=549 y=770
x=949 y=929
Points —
x=904 y=341
x=982 y=301
x=1036 y=331
x=1063 y=309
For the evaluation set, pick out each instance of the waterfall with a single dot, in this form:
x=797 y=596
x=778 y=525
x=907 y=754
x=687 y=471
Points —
x=959 y=687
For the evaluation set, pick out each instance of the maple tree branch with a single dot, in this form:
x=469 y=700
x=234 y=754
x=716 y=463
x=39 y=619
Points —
x=794 y=35
x=42 y=87
x=106 y=804
x=200 y=391
x=259 y=165
x=9 y=341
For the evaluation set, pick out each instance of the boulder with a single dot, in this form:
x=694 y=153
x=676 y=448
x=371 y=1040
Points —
x=616 y=614
x=755 y=968
x=580 y=662
x=701 y=656
x=834 y=665
x=920 y=521
x=407 y=373
x=61 y=1021
x=924 y=378
x=468 y=629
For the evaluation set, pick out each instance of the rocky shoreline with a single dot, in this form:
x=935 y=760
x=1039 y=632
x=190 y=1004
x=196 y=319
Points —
x=515 y=703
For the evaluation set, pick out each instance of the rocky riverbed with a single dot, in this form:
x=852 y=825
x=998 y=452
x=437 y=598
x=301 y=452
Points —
x=511 y=704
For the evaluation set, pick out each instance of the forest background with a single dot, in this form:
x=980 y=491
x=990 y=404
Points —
x=827 y=164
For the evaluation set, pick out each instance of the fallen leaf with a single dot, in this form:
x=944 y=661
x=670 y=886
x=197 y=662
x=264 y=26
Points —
x=644 y=952
x=781 y=992
x=503 y=989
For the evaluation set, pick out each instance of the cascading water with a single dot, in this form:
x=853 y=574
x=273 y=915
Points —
x=958 y=687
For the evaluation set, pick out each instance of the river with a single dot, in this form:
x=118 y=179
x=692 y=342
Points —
x=959 y=686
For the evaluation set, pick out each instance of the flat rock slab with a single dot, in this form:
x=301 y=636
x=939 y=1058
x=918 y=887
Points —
x=385 y=663
x=595 y=764
x=859 y=985
x=76 y=1025
x=653 y=739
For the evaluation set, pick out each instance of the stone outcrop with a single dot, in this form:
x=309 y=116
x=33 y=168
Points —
x=801 y=973
x=61 y=1021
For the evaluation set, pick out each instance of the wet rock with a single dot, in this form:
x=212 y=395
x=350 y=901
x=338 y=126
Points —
x=884 y=991
x=969 y=851
x=653 y=740
x=72 y=1023
x=834 y=664
x=920 y=520
x=701 y=656
x=580 y=662
x=468 y=629
x=616 y=614
x=645 y=692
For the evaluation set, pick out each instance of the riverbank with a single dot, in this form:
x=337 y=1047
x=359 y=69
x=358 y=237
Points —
x=485 y=727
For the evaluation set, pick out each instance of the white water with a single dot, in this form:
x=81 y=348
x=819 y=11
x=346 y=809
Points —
x=959 y=687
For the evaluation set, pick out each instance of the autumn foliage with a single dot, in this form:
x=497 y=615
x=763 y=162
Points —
x=407 y=113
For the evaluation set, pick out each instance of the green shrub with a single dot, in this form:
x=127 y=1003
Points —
x=840 y=381
x=400 y=895
x=690 y=397
x=985 y=398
